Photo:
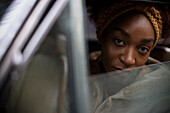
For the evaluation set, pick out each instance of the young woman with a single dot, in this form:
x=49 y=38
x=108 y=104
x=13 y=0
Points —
x=127 y=32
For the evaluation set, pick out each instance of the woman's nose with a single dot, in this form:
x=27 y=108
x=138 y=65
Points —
x=128 y=57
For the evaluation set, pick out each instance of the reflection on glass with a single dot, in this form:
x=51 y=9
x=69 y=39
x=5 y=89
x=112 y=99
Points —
x=140 y=90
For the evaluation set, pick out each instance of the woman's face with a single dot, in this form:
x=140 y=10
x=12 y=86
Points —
x=127 y=42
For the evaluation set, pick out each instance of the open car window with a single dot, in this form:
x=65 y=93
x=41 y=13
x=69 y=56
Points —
x=142 y=89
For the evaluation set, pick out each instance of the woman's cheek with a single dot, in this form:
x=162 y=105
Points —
x=141 y=60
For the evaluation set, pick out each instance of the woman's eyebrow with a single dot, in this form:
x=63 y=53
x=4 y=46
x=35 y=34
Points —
x=122 y=31
x=147 y=40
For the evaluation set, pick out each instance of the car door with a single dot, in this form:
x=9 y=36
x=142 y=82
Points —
x=34 y=66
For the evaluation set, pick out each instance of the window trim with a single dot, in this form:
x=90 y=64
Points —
x=12 y=22
x=13 y=56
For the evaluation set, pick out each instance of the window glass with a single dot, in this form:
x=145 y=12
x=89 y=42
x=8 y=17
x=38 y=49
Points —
x=140 y=90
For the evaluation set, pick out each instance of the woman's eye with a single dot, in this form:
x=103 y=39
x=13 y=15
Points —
x=143 y=50
x=119 y=42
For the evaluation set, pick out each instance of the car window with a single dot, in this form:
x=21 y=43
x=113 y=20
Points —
x=141 y=90
x=160 y=52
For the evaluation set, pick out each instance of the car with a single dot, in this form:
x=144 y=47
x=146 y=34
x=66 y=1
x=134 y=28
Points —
x=44 y=68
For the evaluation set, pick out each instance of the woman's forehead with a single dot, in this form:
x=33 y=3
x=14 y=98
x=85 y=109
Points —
x=130 y=18
x=137 y=28
x=132 y=22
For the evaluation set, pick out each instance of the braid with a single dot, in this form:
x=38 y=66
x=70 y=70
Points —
x=156 y=21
